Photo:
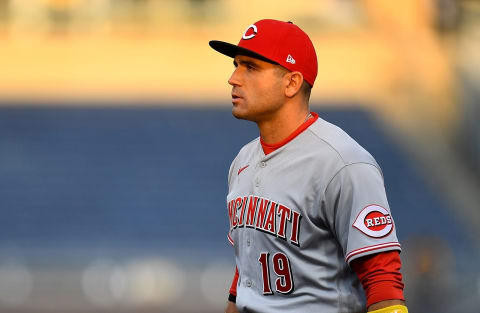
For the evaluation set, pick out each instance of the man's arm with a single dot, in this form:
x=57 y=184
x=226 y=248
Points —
x=389 y=306
x=385 y=304
x=354 y=197
x=231 y=306
x=382 y=281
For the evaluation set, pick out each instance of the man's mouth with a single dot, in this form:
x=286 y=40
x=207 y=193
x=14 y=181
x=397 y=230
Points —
x=235 y=98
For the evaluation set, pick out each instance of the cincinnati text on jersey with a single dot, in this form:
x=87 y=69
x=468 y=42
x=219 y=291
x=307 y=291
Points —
x=262 y=214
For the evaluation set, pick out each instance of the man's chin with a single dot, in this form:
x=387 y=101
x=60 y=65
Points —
x=239 y=114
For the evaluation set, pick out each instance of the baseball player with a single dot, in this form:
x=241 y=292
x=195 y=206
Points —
x=309 y=218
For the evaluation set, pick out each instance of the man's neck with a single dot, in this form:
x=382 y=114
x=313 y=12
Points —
x=281 y=125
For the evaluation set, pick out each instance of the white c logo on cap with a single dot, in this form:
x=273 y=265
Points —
x=254 y=27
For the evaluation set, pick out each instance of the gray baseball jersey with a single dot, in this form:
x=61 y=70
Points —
x=298 y=217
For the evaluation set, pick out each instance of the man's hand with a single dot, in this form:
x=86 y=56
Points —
x=231 y=307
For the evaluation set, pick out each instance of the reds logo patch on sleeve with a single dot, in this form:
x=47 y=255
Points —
x=374 y=221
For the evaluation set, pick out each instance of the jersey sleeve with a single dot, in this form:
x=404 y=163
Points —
x=230 y=172
x=359 y=213
x=229 y=179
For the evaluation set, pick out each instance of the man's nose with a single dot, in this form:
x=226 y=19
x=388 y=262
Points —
x=234 y=79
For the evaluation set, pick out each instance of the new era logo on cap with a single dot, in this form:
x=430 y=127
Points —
x=276 y=42
x=290 y=59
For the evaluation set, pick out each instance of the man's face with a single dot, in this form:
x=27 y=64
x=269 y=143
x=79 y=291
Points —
x=257 y=89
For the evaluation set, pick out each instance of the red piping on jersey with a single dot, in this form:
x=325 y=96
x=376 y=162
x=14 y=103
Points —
x=380 y=276
x=269 y=148
x=230 y=239
x=371 y=248
x=233 y=288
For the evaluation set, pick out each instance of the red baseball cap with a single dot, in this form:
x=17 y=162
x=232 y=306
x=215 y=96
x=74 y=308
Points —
x=278 y=42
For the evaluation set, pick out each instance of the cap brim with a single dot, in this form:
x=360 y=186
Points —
x=232 y=50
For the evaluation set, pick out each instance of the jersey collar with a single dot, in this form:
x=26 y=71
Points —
x=269 y=148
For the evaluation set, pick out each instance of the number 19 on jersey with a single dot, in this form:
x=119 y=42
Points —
x=283 y=273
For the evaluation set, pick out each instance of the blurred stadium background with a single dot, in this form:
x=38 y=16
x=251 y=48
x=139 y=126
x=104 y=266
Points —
x=116 y=137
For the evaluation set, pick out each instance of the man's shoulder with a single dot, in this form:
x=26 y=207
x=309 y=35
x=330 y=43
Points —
x=249 y=148
x=251 y=145
x=331 y=137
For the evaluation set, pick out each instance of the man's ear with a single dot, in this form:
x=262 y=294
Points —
x=294 y=84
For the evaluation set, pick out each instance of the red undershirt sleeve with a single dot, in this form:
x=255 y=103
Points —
x=233 y=288
x=380 y=276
